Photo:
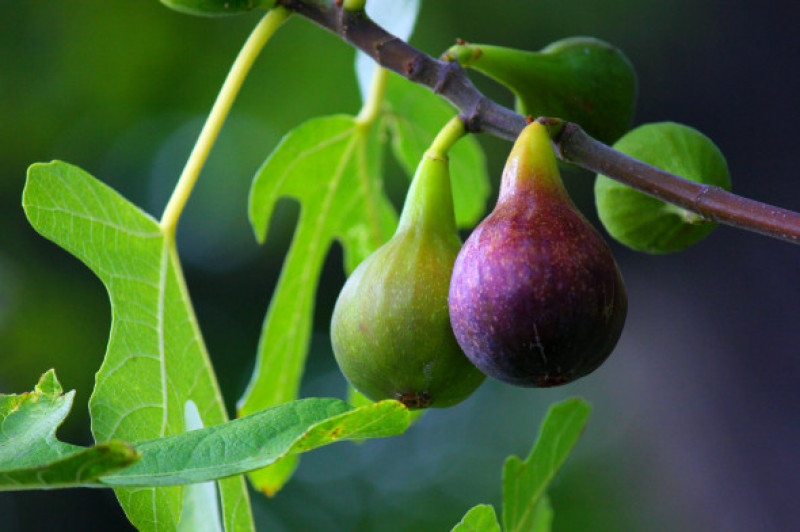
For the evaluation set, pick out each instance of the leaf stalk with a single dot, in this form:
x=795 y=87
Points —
x=446 y=138
x=219 y=112
x=372 y=105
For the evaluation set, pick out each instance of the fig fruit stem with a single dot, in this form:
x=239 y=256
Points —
x=429 y=203
x=533 y=149
x=447 y=137
x=483 y=115
x=266 y=27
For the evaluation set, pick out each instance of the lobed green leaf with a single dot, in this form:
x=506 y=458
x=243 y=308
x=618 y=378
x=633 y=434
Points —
x=257 y=440
x=156 y=360
x=331 y=165
x=30 y=455
x=525 y=482
x=33 y=458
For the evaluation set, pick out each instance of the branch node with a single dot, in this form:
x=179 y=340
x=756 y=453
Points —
x=699 y=202
x=472 y=118
x=472 y=122
x=446 y=73
x=561 y=140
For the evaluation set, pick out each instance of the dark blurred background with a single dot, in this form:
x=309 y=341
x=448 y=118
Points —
x=695 y=423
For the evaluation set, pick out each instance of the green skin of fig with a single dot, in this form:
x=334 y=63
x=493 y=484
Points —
x=536 y=298
x=390 y=328
x=579 y=79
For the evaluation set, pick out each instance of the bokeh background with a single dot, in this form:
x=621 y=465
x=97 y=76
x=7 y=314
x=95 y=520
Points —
x=696 y=419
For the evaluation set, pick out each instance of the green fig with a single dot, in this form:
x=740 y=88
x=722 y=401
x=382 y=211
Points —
x=536 y=298
x=579 y=79
x=643 y=222
x=390 y=328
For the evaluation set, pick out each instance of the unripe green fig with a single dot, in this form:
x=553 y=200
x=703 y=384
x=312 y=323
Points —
x=536 y=298
x=579 y=79
x=643 y=222
x=390 y=329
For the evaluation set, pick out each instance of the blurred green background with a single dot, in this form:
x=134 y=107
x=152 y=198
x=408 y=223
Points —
x=695 y=425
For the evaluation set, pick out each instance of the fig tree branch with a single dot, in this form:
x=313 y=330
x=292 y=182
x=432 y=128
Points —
x=573 y=145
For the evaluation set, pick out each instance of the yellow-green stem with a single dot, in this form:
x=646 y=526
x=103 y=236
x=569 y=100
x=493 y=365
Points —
x=219 y=112
x=447 y=136
x=372 y=106
x=429 y=202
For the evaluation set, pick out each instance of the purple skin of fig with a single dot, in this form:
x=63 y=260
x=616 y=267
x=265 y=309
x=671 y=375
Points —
x=536 y=298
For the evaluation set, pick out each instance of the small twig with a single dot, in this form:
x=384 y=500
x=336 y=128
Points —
x=573 y=145
x=447 y=79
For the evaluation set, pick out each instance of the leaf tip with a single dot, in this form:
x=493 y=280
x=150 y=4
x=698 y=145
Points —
x=124 y=452
x=48 y=384
x=35 y=167
x=578 y=404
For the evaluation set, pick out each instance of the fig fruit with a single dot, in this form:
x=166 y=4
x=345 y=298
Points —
x=647 y=224
x=579 y=79
x=390 y=329
x=536 y=298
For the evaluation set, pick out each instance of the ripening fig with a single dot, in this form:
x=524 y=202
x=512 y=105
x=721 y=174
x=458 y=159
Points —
x=579 y=79
x=536 y=298
x=390 y=329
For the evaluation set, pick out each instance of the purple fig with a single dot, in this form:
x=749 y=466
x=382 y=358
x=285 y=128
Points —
x=536 y=298
x=390 y=328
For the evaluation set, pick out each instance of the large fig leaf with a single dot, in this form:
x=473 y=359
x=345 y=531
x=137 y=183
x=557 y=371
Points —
x=332 y=166
x=257 y=440
x=31 y=456
x=156 y=360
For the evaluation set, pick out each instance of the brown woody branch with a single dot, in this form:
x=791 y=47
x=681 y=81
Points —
x=573 y=145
